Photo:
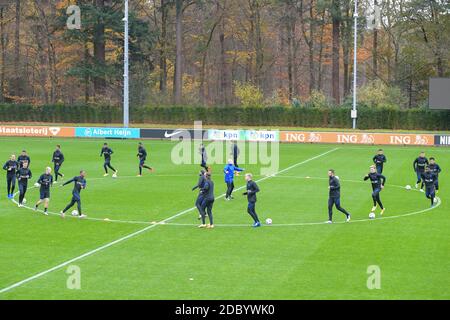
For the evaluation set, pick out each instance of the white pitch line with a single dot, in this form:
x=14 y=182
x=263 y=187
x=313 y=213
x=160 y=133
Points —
x=439 y=202
x=221 y=225
x=131 y=235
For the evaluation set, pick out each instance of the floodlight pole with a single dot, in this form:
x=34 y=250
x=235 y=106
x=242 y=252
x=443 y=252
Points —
x=355 y=63
x=126 y=106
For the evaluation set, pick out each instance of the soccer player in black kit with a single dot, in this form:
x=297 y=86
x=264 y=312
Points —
x=45 y=181
x=199 y=185
x=378 y=181
x=203 y=154
x=57 y=159
x=79 y=184
x=23 y=175
x=11 y=167
x=252 y=189
x=142 y=154
x=335 y=196
x=429 y=179
x=436 y=169
x=24 y=158
x=235 y=153
x=207 y=203
x=379 y=159
x=107 y=152
x=419 y=167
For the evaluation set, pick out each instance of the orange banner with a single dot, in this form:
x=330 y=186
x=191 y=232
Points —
x=357 y=138
x=31 y=131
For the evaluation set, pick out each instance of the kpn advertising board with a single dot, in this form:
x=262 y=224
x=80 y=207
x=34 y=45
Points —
x=243 y=135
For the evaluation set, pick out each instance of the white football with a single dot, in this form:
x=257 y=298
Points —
x=75 y=213
x=371 y=215
x=114 y=176
x=268 y=221
x=24 y=201
x=408 y=187
x=37 y=185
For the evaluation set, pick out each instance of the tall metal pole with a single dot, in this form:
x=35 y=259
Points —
x=355 y=63
x=126 y=110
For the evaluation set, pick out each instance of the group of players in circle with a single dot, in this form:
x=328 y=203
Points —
x=427 y=172
x=19 y=169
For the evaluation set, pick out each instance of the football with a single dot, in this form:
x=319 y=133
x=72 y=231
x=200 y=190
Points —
x=408 y=187
x=24 y=201
x=371 y=215
x=268 y=221
x=75 y=213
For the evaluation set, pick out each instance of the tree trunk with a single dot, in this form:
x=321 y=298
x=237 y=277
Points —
x=51 y=52
x=375 y=48
x=224 y=100
x=312 y=76
x=162 y=51
x=178 y=75
x=86 y=75
x=335 y=54
x=258 y=46
x=17 y=87
x=3 y=53
x=99 y=49
x=249 y=75
x=290 y=61
x=319 y=63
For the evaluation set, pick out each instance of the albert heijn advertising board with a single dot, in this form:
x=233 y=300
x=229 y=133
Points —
x=357 y=138
x=36 y=131
x=99 y=132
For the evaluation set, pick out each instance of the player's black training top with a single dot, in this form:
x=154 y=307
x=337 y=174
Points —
x=58 y=157
x=203 y=153
x=23 y=174
x=21 y=159
x=208 y=190
x=107 y=152
x=79 y=183
x=142 y=153
x=46 y=181
x=200 y=183
x=252 y=189
x=377 y=180
x=11 y=167
x=435 y=168
x=420 y=163
x=379 y=159
x=335 y=187
x=429 y=179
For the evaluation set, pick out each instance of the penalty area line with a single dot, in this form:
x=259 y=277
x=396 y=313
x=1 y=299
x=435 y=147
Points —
x=136 y=233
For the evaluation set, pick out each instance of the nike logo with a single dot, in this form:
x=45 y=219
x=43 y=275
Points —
x=169 y=135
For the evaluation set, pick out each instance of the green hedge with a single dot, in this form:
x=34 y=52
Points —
x=333 y=117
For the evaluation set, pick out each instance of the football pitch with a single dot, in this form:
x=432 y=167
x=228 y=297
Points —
x=120 y=254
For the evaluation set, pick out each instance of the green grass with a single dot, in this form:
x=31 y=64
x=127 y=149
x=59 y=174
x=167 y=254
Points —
x=234 y=261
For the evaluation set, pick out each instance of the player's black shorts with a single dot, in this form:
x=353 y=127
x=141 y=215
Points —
x=45 y=194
